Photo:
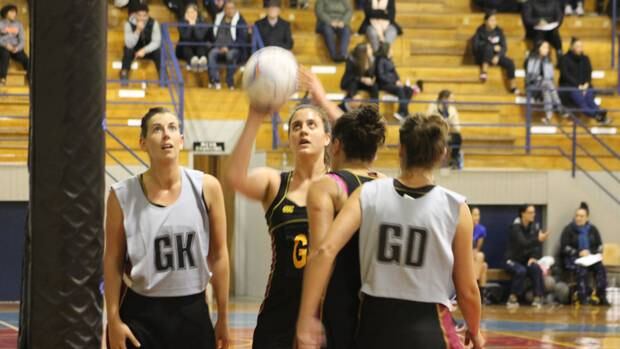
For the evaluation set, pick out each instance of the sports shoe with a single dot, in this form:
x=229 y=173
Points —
x=399 y=117
x=202 y=64
x=537 y=302
x=484 y=77
x=194 y=63
x=568 y=10
x=513 y=302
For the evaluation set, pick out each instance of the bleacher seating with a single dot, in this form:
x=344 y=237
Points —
x=434 y=48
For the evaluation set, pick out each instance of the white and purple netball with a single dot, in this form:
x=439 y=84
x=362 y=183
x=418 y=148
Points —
x=270 y=77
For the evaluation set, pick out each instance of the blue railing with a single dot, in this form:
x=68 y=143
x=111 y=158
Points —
x=170 y=73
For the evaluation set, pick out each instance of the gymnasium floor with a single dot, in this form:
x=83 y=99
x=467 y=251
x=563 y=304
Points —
x=546 y=328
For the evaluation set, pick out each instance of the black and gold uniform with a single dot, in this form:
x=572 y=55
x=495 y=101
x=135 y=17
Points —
x=341 y=304
x=288 y=228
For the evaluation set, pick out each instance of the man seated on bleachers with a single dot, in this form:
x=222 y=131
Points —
x=581 y=238
x=142 y=39
x=333 y=22
x=524 y=250
x=273 y=30
x=12 y=40
x=230 y=33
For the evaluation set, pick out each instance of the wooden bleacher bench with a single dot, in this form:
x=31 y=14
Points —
x=498 y=275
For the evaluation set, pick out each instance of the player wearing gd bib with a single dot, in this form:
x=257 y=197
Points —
x=283 y=196
x=167 y=226
x=356 y=136
x=415 y=246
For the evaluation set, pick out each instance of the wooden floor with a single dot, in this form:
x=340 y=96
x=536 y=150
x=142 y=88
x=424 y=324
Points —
x=548 y=328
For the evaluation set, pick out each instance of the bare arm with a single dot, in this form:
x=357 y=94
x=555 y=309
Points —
x=114 y=257
x=218 y=254
x=479 y=244
x=467 y=292
x=261 y=184
x=321 y=209
x=310 y=82
x=113 y=262
x=318 y=270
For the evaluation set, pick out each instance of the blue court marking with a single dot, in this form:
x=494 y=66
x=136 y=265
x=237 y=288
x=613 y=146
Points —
x=10 y=318
x=516 y=326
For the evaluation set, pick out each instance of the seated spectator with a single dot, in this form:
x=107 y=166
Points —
x=12 y=41
x=350 y=104
x=142 y=39
x=360 y=73
x=539 y=76
x=445 y=107
x=576 y=72
x=334 y=23
x=214 y=7
x=379 y=22
x=524 y=250
x=579 y=239
x=193 y=36
x=480 y=233
x=274 y=30
x=230 y=34
x=499 y=5
x=542 y=20
x=489 y=48
x=573 y=7
x=389 y=81
x=178 y=7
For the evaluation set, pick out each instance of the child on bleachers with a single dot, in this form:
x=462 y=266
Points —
x=489 y=48
x=12 y=41
x=389 y=81
x=191 y=32
x=539 y=76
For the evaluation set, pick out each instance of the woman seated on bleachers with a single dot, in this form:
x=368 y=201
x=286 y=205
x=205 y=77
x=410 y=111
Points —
x=489 y=48
x=576 y=73
x=360 y=73
x=480 y=233
x=379 y=23
x=193 y=31
x=445 y=107
x=539 y=77
x=580 y=238
x=389 y=81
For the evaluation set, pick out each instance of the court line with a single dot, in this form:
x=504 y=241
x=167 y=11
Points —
x=6 y=324
x=538 y=339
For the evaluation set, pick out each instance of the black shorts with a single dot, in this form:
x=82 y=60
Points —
x=168 y=322
x=400 y=324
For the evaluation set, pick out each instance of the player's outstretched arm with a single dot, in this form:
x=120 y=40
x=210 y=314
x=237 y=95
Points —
x=310 y=82
x=260 y=184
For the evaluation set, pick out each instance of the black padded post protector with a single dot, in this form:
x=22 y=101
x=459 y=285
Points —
x=61 y=302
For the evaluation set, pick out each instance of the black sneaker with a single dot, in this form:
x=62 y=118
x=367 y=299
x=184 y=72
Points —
x=124 y=75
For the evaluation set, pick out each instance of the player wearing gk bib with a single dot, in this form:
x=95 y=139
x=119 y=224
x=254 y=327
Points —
x=415 y=246
x=167 y=229
x=355 y=139
x=283 y=196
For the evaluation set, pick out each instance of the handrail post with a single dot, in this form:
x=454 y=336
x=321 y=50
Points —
x=574 y=149
x=181 y=103
x=162 y=54
x=528 y=121
x=614 y=20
